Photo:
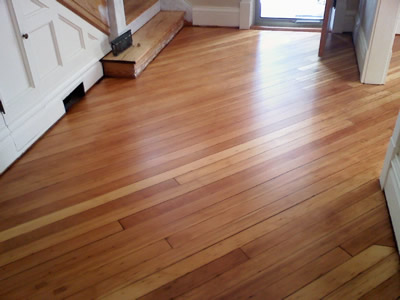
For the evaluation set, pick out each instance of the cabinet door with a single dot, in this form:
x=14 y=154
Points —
x=16 y=78
x=37 y=25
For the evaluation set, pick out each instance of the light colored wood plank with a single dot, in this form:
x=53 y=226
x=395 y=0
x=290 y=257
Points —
x=389 y=289
x=90 y=11
x=277 y=152
x=134 y=8
x=344 y=273
x=148 y=42
x=368 y=280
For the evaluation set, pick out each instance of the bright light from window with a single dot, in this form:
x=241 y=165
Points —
x=294 y=9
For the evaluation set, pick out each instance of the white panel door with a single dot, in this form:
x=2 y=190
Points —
x=55 y=45
x=37 y=25
x=16 y=78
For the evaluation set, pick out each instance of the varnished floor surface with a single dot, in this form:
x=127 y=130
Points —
x=237 y=166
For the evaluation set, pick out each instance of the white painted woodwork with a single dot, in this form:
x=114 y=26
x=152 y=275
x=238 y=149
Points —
x=228 y=13
x=373 y=36
x=36 y=74
x=178 y=5
x=247 y=14
x=398 y=26
x=390 y=179
x=216 y=13
x=144 y=17
x=116 y=17
x=344 y=16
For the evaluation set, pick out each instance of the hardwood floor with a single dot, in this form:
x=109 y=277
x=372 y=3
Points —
x=239 y=165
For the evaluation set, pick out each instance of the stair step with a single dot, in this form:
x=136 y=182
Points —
x=152 y=37
x=134 y=8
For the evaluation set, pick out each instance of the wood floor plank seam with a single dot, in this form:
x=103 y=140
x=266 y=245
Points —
x=239 y=165
x=346 y=251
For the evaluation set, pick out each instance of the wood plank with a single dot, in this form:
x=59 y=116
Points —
x=370 y=279
x=281 y=256
x=46 y=287
x=148 y=42
x=59 y=249
x=304 y=275
x=198 y=277
x=368 y=237
x=389 y=289
x=134 y=8
x=344 y=273
x=90 y=11
x=231 y=141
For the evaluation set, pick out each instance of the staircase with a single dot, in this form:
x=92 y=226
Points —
x=148 y=41
x=152 y=28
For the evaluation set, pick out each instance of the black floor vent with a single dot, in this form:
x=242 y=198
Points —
x=74 y=97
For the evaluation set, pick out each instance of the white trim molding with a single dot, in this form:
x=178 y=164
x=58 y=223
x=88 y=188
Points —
x=390 y=179
x=373 y=35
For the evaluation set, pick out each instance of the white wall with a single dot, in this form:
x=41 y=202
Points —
x=178 y=5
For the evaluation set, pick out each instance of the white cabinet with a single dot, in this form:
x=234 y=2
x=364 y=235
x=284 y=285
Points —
x=47 y=51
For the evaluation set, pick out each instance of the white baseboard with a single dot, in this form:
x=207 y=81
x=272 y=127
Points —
x=92 y=75
x=8 y=153
x=176 y=5
x=13 y=143
x=216 y=16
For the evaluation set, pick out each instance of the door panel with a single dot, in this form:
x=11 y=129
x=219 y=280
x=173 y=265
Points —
x=15 y=83
x=46 y=58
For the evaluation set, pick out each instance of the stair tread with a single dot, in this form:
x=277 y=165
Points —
x=134 y=8
x=149 y=37
x=213 y=3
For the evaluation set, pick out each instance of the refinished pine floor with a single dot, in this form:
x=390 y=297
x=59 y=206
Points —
x=238 y=165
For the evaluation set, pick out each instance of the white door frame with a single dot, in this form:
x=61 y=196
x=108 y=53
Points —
x=374 y=49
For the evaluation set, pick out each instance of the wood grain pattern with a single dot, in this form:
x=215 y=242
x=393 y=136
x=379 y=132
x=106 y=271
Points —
x=148 y=42
x=134 y=8
x=93 y=11
x=238 y=165
x=329 y=283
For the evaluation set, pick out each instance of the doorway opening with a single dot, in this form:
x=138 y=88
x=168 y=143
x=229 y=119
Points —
x=290 y=13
